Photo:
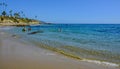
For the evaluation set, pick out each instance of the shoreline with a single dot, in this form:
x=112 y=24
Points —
x=16 y=54
x=75 y=57
x=18 y=24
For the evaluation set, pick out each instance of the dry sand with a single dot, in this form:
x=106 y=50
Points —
x=15 y=54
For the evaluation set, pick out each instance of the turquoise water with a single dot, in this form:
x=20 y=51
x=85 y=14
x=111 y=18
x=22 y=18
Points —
x=89 y=41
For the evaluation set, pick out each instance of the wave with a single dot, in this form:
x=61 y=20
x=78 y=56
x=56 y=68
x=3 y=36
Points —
x=102 y=62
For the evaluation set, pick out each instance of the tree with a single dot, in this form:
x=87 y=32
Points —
x=0 y=6
x=35 y=17
x=4 y=13
x=16 y=15
x=22 y=14
x=4 y=6
x=10 y=12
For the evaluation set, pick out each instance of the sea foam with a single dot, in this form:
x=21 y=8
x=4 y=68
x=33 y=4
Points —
x=102 y=62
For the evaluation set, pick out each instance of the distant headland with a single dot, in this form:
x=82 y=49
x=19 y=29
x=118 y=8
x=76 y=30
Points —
x=15 y=18
x=7 y=20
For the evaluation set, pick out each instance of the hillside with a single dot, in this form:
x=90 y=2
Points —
x=9 y=20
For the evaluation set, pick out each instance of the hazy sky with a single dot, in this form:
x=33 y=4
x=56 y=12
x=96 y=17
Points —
x=69 y=11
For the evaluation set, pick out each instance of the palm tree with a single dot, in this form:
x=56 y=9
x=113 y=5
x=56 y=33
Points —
x=1 y=6
x=35 y=17
x=4 y=6
x=4 y=13
x=22 y=14
x=16 y=15
x=10 y=12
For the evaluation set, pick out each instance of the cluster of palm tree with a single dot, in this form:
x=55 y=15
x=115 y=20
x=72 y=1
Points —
x=14 y=16
x=3 y=7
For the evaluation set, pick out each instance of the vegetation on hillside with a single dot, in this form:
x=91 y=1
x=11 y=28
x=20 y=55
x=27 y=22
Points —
x=14 y=17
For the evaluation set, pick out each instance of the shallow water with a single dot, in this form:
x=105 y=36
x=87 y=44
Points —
x=89 y=41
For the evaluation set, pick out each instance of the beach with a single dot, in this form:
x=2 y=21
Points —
x=16 y=54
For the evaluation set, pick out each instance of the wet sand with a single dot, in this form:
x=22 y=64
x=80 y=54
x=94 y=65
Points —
x=15 y=54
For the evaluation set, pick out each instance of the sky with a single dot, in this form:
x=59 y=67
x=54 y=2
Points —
x=68 y=11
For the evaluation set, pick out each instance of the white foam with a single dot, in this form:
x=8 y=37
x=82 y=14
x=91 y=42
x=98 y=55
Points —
x=101 y=62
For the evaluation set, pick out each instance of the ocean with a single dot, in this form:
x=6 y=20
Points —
x=97 y=42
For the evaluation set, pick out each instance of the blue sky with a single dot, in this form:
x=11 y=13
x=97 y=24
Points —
x=69 y=11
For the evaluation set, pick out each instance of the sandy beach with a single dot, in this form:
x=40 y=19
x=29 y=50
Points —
x=15 y=54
